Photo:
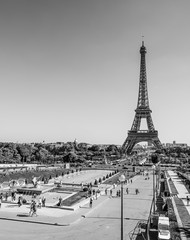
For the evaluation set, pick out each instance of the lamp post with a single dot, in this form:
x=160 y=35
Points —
x=122 y=180
x=158 y=178
x=153 y=167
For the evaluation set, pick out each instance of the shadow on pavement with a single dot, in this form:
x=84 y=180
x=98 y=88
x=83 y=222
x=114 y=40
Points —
x=23 y=215
x=135 y=219
x=11 y=206
x=32 y=220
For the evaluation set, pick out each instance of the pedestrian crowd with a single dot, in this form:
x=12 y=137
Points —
x=21 y=200
x=118 y=192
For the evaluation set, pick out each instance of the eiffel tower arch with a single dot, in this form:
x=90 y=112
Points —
x=135 y=135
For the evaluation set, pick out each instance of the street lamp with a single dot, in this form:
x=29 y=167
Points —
x=153 y=168
x=122 y=180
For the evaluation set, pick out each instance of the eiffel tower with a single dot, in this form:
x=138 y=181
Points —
x=135 y=135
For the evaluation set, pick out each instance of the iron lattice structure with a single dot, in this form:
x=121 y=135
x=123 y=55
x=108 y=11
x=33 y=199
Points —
x=135 y=135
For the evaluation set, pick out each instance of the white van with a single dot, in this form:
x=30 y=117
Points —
x=163 y=228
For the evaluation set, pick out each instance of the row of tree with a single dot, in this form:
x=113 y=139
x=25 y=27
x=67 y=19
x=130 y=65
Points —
x=71 y=152
x=174 y=155
x=50 y=153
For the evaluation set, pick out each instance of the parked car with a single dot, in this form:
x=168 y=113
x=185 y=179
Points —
x=164 y=228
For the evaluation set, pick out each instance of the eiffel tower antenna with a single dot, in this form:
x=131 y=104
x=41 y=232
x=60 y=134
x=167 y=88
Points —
x=135 y=135
x=142 y=40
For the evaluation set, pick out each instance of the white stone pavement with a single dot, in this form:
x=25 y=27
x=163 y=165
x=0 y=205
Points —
x=100 y=222
x=182 y=194
x=182 y=190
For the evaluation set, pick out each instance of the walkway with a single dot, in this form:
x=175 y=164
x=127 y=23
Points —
x=182 y=190
x=180 y=204
x=102 y=221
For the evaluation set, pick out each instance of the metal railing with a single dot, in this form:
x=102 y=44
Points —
x=137 y=230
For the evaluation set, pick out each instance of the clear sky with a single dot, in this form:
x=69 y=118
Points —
x=70 y=69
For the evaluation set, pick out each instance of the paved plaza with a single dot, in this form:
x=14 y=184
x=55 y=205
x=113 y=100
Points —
x=85 y=176
x=102 y=221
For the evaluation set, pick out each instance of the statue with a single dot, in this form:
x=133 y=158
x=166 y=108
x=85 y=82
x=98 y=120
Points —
x=35 y=181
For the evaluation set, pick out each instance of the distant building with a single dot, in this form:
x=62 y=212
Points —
x=174 y=144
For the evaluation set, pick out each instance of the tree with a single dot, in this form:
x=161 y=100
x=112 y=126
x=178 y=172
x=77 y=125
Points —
x=154 y=158
x=24 y=151
x=70 y=157
x=43 y=154
x=94 y=148
x=95 y=182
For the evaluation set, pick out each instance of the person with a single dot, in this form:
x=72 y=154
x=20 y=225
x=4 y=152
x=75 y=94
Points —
x=1 y=196
x=127 y=190
x=96 y=194
x=12 y=196
x=60 y=201
x=137 y=191
x=187 y=201
x=34 y=209
x=6 y=196
x=40 y=202
x=119 y=193
x=90 y=204
x=20 y=201
x=106 y=191
x=89 y=192
x=43 y=201
x=31 y=208
x=0 y=201
x=110 y=192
